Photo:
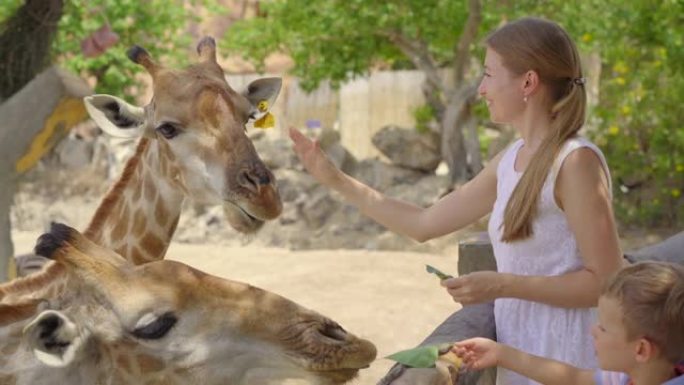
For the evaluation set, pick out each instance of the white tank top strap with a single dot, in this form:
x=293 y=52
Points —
x=508 y=160
x=571 y=145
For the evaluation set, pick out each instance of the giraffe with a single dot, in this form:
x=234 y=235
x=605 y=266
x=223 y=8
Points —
x=95 y=318
x=192 y=144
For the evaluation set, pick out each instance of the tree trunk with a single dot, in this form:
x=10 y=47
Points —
x=460 y=143
x=25 y=43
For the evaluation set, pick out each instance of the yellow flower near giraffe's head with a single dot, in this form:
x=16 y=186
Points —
x=587 y=37
x=675 y=192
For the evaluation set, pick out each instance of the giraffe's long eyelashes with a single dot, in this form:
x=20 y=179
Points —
x=157 y=328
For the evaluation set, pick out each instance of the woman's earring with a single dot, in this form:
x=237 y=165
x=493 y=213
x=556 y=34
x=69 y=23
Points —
x=525 y=99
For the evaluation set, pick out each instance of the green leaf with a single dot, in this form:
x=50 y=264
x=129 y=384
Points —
x=420 y=357
x=437 y=272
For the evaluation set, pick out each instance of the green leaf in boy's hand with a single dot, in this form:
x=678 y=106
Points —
x=420 y=357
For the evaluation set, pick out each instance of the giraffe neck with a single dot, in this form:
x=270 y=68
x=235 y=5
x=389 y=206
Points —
x=138 y=216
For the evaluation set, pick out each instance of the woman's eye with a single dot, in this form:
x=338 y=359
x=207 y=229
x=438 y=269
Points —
x=168 y=130
x=157 y=328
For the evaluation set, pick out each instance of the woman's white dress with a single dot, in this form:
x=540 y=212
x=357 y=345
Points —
x=558 y=333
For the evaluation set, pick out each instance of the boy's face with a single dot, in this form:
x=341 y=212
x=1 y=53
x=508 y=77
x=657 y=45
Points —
x=614 y=351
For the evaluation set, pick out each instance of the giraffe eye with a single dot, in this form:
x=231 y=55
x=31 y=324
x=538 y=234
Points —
x=157 y=328
x=168 y=130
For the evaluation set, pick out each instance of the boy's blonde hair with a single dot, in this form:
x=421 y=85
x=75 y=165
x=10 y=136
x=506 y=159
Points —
x=652 y=298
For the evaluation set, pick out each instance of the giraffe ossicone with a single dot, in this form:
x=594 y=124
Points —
x=99 y=319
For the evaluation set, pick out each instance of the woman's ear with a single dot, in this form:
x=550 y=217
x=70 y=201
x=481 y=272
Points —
x=645 y=350
x=530 y=82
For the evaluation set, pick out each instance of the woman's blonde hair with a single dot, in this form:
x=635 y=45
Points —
x=542 y=46
x=651 y=295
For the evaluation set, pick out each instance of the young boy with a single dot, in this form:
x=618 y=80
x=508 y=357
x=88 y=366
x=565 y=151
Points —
x=639 y=337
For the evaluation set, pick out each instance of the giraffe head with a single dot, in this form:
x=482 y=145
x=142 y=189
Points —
x=198 y=122
x=167 y=323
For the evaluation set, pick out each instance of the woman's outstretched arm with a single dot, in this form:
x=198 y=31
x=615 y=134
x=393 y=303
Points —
x=455 y=210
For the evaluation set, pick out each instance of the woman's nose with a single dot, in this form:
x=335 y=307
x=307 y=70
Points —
x=481 y=88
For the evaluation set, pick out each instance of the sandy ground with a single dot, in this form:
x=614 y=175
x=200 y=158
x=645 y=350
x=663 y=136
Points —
x=386 y=297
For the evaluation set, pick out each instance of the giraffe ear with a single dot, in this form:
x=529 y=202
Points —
x=54 y=339
x=115 y=116
x=262 y=93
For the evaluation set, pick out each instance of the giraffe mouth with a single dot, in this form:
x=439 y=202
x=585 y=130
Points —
x=240 y=218
x=327 y=349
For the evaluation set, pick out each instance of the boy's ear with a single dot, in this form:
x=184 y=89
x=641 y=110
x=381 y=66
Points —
x=645 y=350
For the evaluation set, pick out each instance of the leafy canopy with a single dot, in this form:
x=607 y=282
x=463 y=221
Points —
x=158 y=25
x=338 y=39
x=638 y=120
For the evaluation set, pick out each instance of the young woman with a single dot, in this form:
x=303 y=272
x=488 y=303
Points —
x=549 y=196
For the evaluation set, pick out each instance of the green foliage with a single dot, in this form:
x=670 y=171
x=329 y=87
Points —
x=637 y=123
x=423 y=115
x=159 y=26
x=340 y=39
x=640 y=115
x=8 y=8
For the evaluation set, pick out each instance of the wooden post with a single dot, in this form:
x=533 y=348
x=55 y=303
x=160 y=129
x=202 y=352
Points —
x=32 y=121
x=476 y=254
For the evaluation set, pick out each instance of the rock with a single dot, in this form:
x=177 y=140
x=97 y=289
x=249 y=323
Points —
x=382 y=176
x=409 y=148
x=341 y=158
x=74 y=153
x=317 y=208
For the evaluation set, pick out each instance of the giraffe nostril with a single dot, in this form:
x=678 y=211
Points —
x=253 y=179
x=264 y=178
x=333 y=331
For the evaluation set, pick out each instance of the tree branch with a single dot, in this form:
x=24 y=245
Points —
x=417 y=51
x=461 y=54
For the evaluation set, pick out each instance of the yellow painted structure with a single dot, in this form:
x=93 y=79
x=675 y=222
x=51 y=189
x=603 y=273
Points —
x=68 y=112
x=11 y=270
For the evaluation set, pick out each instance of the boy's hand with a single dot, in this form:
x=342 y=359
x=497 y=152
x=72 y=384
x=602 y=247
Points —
x=478 y=353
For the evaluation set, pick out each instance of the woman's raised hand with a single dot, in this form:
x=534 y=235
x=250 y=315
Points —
x=313 y=158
